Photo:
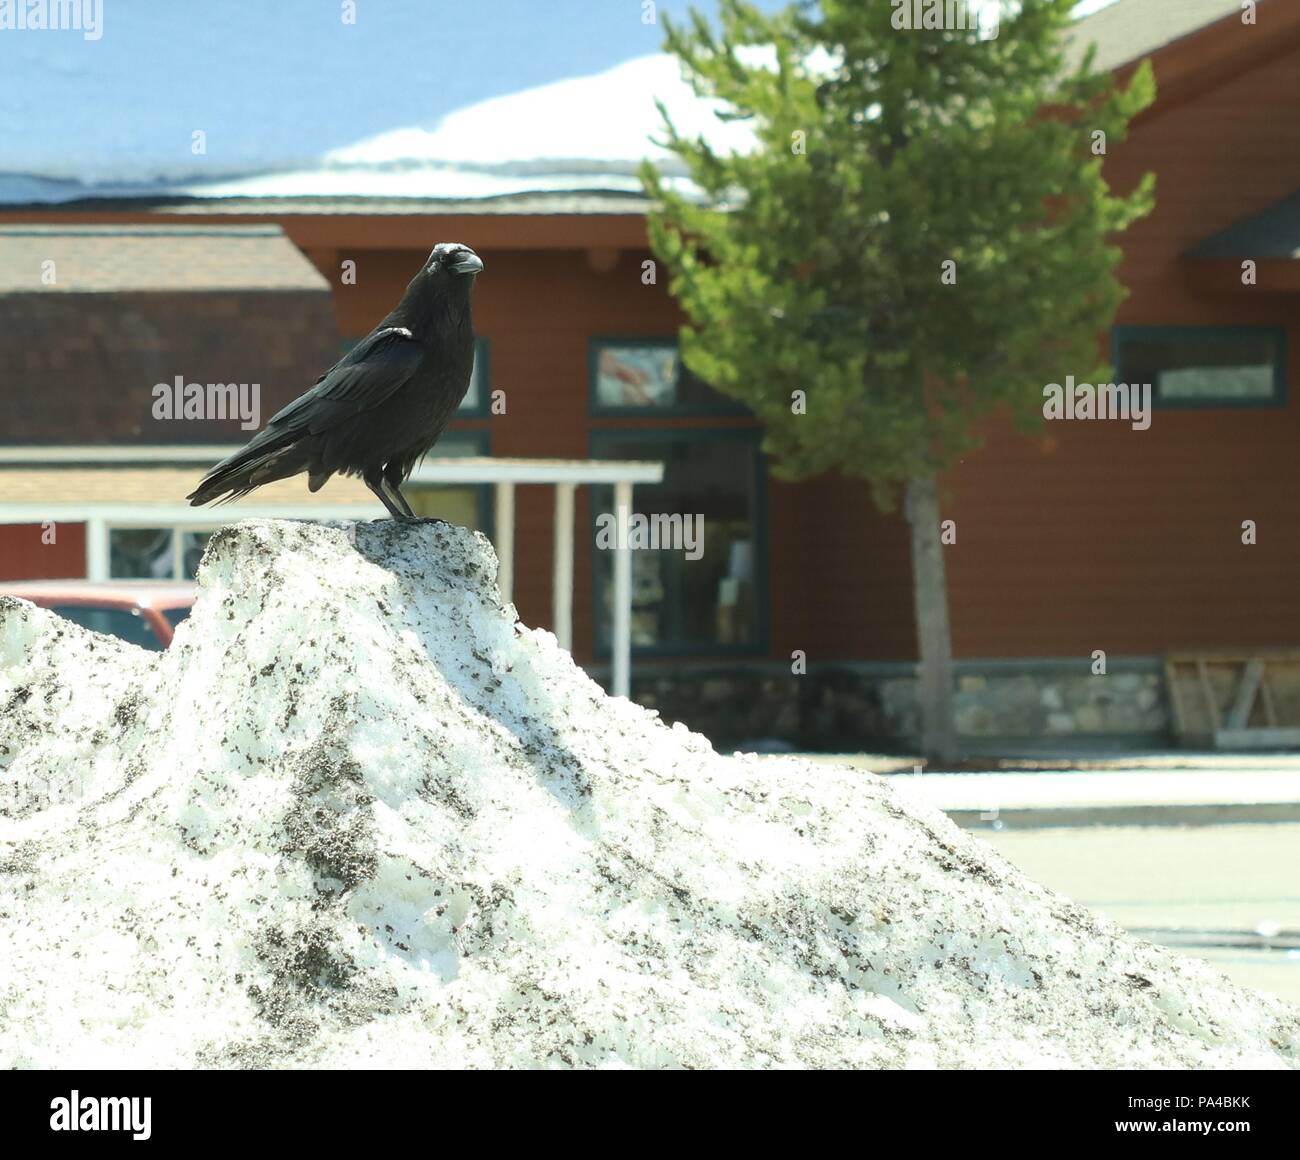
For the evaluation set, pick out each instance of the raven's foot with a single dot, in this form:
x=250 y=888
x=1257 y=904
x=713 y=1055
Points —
x=405 y=519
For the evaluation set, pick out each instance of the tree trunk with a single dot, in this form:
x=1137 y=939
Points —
x=930 y=595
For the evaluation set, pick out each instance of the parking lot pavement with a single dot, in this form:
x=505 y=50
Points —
x=1182 y=885
x=1173 y=789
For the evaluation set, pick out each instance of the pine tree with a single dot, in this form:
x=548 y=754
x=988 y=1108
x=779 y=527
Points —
x=920 y=236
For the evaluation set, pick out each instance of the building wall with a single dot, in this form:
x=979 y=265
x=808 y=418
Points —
x=92 y=360
x=1092 y=535
x=1098 y=536
x=24 y=555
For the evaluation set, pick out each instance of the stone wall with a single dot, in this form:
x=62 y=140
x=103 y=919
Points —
x=1001 y=706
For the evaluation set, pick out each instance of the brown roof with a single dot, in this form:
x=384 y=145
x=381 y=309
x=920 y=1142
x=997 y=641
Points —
x=104 y=259
x=161 y=485
x=1131 y=29
x=1274 y=233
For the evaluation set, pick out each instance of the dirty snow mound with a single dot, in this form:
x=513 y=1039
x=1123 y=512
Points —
x=358 y=816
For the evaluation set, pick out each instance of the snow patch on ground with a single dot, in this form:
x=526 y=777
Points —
x=358 y=815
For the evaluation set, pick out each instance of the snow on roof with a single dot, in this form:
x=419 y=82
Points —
x=358 y=816
x=585 y=134
x=589 y=124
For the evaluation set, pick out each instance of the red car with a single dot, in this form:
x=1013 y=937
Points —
x=144 y=612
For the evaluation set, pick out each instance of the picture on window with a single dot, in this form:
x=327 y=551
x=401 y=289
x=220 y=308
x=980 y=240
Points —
x=640 y=375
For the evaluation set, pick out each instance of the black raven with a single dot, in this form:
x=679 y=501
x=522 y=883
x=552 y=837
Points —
x=379 y=409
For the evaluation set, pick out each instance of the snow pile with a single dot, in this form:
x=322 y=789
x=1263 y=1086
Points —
x=359 y=816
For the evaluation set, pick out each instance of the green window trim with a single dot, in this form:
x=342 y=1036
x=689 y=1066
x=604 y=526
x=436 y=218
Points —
x=1124 y=337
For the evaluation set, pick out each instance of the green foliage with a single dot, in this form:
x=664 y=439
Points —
x=821 y=271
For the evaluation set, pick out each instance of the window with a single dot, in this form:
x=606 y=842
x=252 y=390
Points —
x=639 y=376
x=703 y=592
x=192 y=546
x=475 y=402
x=1195 y=366
x=155 y=553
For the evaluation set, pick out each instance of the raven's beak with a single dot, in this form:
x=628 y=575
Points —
x=467 y=264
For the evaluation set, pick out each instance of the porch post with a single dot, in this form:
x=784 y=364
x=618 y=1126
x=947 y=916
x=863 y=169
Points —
x=562 y=567
x=97 y=562
x=622 y=636
x=505 y=537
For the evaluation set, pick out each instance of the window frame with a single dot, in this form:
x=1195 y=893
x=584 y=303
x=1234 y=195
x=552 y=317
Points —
x=483 y=364
x=176 y=553
x=1122 y=335
x=760 y=644
x=726 y=408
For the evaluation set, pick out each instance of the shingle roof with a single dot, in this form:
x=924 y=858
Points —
x=1274 y=233
x=161 y=485
x=112 y=259
x=1131 y=29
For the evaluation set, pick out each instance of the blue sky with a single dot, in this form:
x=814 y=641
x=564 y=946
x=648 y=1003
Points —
x=277 y=82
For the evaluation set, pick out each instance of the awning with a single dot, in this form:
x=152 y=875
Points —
x=1270 y=239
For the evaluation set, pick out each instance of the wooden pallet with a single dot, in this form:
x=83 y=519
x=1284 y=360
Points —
x=1229 y=700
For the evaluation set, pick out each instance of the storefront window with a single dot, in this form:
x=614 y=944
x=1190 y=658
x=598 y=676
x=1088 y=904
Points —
x=696 y=563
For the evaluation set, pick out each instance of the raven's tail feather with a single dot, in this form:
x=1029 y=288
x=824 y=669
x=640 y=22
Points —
x=250 y=467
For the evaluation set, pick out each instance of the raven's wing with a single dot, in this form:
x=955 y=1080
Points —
x=369 y=374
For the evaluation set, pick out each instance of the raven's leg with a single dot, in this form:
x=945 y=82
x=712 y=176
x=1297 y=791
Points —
x=396 y=493
x=393 y=477
x=393 y=510
x=411 y=517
